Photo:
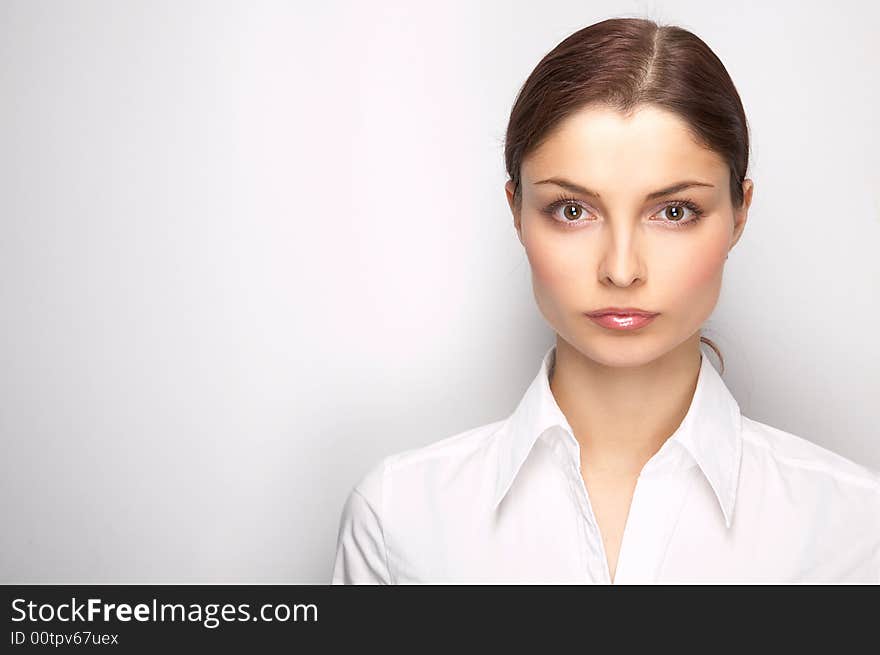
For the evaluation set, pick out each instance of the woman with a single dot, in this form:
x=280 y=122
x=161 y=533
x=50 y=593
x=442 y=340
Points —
x=627 y=460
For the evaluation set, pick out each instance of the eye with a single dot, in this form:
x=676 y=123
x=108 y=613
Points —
x=673 y=214
x=572 y=211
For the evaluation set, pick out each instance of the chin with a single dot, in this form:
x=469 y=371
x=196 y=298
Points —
x=619 y=351
x=622 y=360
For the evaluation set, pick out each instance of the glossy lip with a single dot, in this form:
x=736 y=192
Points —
x=622 y=322
x=621 y=311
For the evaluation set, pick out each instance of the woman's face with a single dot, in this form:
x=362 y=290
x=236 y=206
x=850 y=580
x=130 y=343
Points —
x=623 y=246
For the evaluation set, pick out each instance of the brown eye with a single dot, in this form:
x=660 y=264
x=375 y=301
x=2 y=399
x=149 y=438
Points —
x=571 y=212
x=567 y=211
x=674 y=212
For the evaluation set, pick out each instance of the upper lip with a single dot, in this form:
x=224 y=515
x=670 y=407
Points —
x=622 y=311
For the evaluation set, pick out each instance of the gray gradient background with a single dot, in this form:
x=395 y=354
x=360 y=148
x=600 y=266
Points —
x=249 y=248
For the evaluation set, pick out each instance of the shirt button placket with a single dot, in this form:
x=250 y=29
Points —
x=598 y=564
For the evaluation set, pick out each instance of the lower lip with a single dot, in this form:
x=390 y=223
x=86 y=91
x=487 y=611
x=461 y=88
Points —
x=622 y=322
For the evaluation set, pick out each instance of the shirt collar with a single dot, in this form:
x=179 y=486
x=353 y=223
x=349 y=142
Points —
x=710 y=431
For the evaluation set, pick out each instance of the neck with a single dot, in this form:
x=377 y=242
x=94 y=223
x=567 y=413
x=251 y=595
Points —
x=621 y=416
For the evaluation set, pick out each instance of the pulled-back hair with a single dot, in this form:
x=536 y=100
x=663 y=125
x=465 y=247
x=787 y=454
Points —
x=623 y=63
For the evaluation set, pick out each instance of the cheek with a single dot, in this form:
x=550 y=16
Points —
x=562 y=262
x=557 y=259
x=557 y=273
x=702 y=270
x=563 y=267
x=556 y=264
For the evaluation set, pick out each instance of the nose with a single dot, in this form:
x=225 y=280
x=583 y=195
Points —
x=621 y=262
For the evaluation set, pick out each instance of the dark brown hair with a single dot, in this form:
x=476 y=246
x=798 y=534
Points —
x=623 y=63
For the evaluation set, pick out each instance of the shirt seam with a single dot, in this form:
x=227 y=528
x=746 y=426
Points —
x=459 y=445
x=866 y=482
x=381 y=522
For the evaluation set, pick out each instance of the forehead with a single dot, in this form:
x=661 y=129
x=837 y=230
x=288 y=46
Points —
x=603 y=148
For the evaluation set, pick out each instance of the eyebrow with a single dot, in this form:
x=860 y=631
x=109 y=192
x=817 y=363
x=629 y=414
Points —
x=576 y=188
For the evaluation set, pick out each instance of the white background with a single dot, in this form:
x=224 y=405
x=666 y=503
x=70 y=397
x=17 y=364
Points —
x=249 y=248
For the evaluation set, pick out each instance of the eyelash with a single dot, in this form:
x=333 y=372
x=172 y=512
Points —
x=687 y=203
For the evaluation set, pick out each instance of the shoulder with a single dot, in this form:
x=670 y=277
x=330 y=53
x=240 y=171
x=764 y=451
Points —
x=796 y=457
x=826 y=505
x=419 y=471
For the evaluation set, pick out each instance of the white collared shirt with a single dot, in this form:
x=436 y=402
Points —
x=726 y=499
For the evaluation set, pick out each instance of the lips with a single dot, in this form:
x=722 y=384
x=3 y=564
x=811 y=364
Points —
x=614 y=321
x=621 y=311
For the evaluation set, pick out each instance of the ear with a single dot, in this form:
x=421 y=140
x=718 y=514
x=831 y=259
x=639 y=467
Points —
x=741 y=215
x=508 y=189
